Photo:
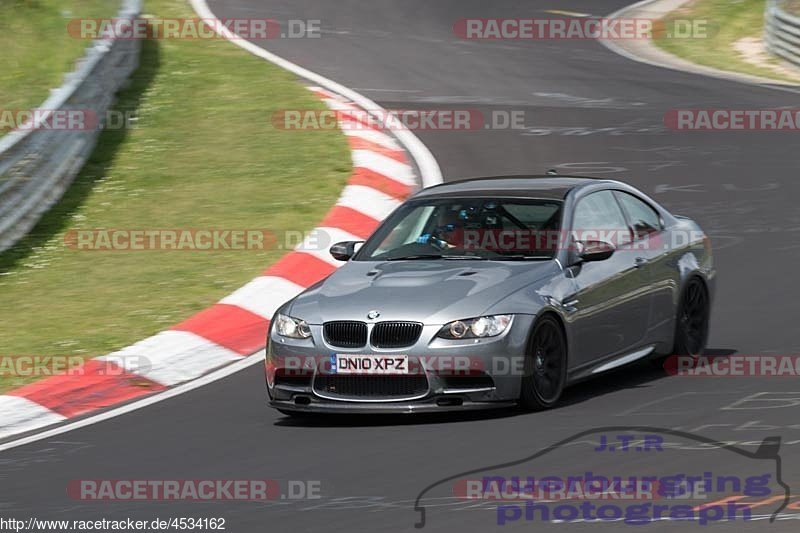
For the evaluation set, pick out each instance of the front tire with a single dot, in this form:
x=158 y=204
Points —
x=545 y=366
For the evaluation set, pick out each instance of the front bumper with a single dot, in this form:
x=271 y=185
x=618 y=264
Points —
x=341 y=407
x=294 y=373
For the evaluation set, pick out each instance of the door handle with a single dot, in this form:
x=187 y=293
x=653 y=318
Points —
x=639 y=262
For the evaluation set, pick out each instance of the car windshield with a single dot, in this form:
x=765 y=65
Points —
x=467 y=228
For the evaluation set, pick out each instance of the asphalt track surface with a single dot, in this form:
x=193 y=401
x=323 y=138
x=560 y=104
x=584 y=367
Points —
x=587 y=111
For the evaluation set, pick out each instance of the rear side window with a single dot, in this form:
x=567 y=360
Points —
x=644 y=219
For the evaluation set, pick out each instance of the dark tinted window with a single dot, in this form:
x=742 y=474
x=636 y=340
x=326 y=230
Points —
x=644 y=219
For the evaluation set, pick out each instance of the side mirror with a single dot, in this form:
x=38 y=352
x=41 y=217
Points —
x=590 y=251
x=343 y=251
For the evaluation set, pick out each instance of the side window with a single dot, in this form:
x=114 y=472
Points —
x=644 y=219
x=598 y=217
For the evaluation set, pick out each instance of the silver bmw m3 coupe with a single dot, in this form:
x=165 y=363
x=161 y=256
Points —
x=490 y=292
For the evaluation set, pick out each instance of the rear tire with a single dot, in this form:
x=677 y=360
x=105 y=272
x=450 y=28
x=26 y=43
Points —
x=691 y=323
x=545 y=366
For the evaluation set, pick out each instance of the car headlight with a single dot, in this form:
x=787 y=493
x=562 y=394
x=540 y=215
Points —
x=293 y=328
x=474 y=328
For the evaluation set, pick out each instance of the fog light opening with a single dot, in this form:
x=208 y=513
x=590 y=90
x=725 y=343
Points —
x=302 y=400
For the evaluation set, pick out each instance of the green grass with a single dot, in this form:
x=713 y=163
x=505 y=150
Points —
x=35 y=48
x=203 y=154
x=731 y=20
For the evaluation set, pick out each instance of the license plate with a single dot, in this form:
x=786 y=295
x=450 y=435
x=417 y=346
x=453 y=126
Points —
x=369 y=364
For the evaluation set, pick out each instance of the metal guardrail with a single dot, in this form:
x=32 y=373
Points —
x=38 y=163
x=782 y=31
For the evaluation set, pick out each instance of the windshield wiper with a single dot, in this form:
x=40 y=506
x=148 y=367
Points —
x=435 y=256
x=521 y=257
x=416 y=256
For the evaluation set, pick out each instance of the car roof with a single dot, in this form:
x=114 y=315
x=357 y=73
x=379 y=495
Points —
x=547 y=187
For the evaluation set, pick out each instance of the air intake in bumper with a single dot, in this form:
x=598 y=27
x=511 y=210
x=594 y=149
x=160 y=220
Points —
x=371 y=387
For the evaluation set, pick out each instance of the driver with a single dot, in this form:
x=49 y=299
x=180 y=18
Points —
x=449 y=230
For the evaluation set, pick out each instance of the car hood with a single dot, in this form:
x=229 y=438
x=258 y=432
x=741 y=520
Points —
x=432 y=292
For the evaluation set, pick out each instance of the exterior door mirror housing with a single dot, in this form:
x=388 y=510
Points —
x=590 y=251
x=344 y=251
